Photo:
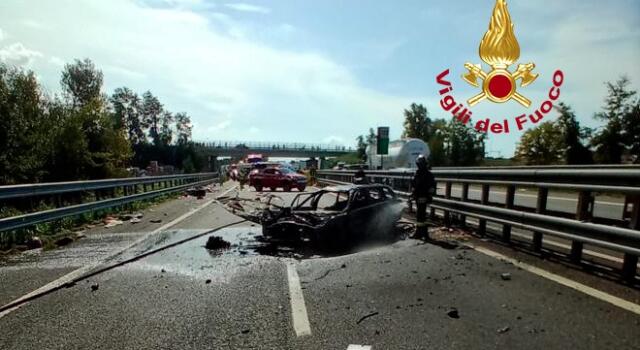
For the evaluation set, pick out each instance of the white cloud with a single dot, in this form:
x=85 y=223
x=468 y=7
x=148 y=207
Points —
x=57 y=61
x=334 y=140
x=2 y=35
x=18 y=55
x=233 y=88
x=244 y=7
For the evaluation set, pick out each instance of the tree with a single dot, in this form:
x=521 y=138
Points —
x=372 y=138
x=618 y=112
x=361 y=148
x=632 y=132
x=183 y=128
x=151 y=114
x=464 y=145
x=81 y=82
x=417 y=123
x=166 y=133
x=128 y=114
x=25 y=127
x=541 y=145
x=436 y=143
x=574 y=151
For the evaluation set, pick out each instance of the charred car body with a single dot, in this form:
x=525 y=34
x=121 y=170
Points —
x=335 y=216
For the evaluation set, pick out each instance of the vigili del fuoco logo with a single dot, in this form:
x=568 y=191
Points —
x=499 y=49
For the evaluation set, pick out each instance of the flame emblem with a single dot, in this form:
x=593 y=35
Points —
x=499 y=48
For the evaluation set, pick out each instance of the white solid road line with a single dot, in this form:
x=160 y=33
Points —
x=298 y=308
x=81 y=271
x=359 y=347
x=598 y=294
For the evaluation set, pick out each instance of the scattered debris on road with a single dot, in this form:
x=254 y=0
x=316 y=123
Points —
x=367 y=316
x=198 y=192
x=111 y=221
x=94 y=287
x=34 y=242
x=504 y=329
x=207 y=281
x=130 y=216
x=215 y=243
x=453 y=313
x=64 y=241
x=155 y=221
x=506 y=276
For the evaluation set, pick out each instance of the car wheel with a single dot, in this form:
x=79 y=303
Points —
x=286 y=187
x=273 y=189
x=258 y=186
x=301 y=188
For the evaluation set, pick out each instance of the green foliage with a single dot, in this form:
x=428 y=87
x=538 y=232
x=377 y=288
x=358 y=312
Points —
x=152 y=111
x=417 y=123
x=437 y=143
x=83 y=135
x=455 y=144
x=541 y=145
x=620 y=133
x=361 y=149
x=575 y=152
x=81 y=82
x=183 y=128
x=127 y=113
x=24 y=127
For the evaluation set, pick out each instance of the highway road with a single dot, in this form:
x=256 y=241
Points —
x=405 y=295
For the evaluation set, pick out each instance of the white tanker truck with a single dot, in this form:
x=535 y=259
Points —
x=402 y=154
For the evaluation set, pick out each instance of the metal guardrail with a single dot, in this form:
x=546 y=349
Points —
x=578 y=230
x=51 y=188
x=172 y=183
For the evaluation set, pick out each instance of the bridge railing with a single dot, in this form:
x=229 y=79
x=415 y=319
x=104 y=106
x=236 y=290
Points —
x=271 y=146
x=577 y=225
x=79 y=197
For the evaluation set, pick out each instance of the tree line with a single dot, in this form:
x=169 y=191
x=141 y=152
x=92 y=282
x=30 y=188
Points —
x=83 y=133
x=565 y=141
x=561 y=141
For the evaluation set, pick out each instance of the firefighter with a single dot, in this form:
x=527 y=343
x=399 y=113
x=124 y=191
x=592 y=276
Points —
x=360 y=178
x=424 y=187
x=313 y=173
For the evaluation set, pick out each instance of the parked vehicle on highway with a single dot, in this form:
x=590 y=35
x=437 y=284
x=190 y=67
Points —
x=336 y=216
x=274 y=178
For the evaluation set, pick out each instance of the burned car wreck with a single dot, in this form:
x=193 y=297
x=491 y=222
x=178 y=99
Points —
x=332 y=216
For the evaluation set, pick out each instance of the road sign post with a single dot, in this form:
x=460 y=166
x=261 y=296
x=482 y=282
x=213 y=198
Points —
x=383 y=143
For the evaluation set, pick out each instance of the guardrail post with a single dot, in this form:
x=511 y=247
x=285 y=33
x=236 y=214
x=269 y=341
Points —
x=541 y=208
x=432 y=210
x=484 y=199
x=464 y=198
x=630 y=263
x=584 y=212
x=508 y=204
x=447 y=195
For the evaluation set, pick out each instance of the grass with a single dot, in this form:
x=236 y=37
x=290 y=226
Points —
x=50 y=232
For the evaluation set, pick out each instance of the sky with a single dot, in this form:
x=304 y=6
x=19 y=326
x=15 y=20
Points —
x=320 y=71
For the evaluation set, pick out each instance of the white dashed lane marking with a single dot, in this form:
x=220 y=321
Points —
x=298 y=308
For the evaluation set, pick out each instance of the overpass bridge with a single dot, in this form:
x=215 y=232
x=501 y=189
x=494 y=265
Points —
x=239 y=149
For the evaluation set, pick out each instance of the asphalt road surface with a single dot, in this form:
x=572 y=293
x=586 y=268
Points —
x=404 y=295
